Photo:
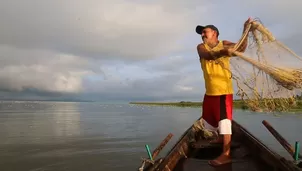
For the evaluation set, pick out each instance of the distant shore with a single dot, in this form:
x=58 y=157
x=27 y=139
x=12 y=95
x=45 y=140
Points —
x=237 y=104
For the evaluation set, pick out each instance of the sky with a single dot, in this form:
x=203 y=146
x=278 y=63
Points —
x=122 y=50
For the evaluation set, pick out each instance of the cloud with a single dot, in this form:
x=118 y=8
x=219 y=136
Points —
x=118 y=49
x=148 y=80
x=98 y=29
x=41 y=70
x=169 y=87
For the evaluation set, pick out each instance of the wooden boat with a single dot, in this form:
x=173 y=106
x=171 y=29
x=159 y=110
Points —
x=192 y=153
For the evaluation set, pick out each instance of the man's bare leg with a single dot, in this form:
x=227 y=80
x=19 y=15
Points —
x=218 y=140
x=225 y=157
x=227 y=139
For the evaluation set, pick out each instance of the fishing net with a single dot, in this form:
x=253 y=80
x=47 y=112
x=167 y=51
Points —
x=268 y=75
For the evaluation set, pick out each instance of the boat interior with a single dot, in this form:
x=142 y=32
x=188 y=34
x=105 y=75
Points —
x=192 y=152
x=242 y=158
x=247 y=152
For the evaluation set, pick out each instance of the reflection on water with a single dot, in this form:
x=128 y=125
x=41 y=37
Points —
x=56 y=136
x=67 y=118
x=38 y=122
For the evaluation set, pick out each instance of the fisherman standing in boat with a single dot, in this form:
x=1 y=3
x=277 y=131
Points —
x=214 y=56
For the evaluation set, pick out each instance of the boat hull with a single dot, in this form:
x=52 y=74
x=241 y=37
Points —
x=192 y=152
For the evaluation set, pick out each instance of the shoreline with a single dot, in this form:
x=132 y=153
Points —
x=237 y=104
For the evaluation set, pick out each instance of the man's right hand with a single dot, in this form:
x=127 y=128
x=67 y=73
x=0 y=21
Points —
x=231 y=51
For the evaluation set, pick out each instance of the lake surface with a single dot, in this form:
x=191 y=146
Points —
x=55 y=136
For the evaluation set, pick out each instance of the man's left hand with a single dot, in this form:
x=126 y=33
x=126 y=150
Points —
x=248 y=21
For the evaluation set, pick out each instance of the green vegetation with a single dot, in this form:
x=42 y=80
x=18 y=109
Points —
x=179 y=104
x=237 y=104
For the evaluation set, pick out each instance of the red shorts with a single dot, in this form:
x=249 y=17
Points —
x=217 y=112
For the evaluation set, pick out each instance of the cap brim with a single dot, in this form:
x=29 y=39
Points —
x=199 y=29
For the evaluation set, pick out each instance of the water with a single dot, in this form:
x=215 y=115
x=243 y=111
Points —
x=55 y=136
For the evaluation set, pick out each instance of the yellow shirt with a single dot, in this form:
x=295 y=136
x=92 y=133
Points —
x=217 y=73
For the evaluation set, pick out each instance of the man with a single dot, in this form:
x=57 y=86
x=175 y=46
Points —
x=214 y=56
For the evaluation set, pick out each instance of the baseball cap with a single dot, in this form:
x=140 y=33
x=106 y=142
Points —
x=199 y=29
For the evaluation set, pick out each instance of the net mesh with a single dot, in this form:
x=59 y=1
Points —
x=268 y=75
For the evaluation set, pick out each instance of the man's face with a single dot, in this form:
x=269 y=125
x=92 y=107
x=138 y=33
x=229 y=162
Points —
x=208 y=35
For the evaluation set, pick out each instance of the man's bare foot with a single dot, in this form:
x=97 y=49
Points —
x=221 y=160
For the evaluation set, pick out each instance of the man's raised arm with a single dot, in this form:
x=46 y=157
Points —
x=205 y=54
x=243 y=46
x=227 y=44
